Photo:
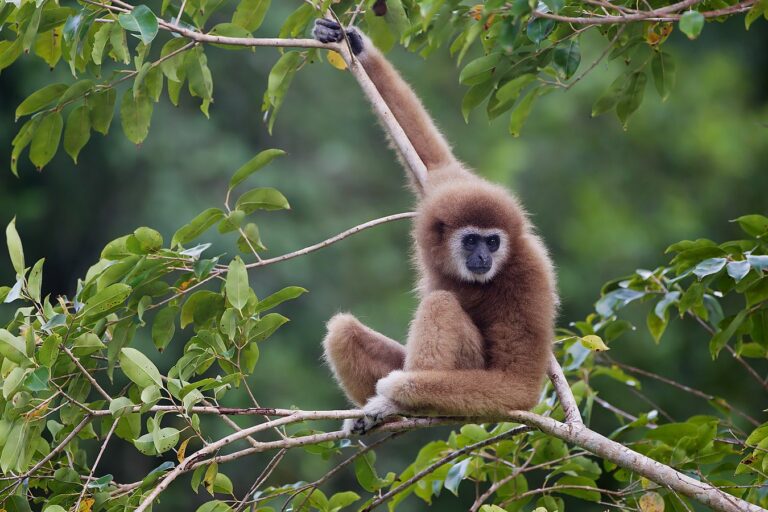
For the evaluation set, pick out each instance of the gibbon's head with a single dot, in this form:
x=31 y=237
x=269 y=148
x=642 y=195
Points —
x=468 y=230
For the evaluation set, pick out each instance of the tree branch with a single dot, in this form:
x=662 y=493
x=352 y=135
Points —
x=563 y=391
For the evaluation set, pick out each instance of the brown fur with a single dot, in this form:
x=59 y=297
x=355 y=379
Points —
x=473 y=348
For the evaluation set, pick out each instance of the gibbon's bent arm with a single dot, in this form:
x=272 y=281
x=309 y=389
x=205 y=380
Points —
x=416 y=122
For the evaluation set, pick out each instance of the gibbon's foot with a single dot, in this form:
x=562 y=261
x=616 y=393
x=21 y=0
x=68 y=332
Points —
x=375 y=411
x=328 y=31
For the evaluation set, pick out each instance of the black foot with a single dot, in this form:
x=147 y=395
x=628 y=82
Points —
x=328 y=31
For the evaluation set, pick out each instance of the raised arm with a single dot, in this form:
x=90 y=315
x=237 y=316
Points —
x=429 y=143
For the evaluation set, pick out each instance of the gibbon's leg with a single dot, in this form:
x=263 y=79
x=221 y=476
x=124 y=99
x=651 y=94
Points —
x=461 y=392
x=443 y=336
x=429 y=143
x=359 y=356
x=442 y=339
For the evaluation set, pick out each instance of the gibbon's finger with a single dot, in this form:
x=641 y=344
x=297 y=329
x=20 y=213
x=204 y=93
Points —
x=327 y=23
x=326 y=35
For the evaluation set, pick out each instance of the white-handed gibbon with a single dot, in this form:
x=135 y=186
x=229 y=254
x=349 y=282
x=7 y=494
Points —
x=482 y=335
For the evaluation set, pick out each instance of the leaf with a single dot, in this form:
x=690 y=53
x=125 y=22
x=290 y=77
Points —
x=137 y=367
x=520 y=114
x=664 y=71
x=100 y=39
x=651 y=502
x=250 y=240
x=594 y=342
x=708 y=267
x=631 y=97
x=106 y=301
x=753 y=225
x=236 y=285
x=75 y=91
x=567 y=57
x=164 y=326
x=141 y=20
x=35 y=280
x=342 y=499
x=266 y=326
x=478 y=70
x=78 y=131
x=40 y=99
x=262 y=199
x=12 y=347
x=510 y=91
x=214 y=506
x=102 y=104
x=280 y=79
x=46 y=139
x=120 y=406
x=691 y=24
x=201 y=307
x=171 y=65
x=87 y=344
x=758 y=262
x=288 y=293
x=250 y=14
x=197 y=226
x=336 y=60
x=15 y=249
x=165 y=438
x=722 y=337
x=136 y=115
x=21 y=141
x=198 y=74
x=38 y=380
x=456 y=474
x=539 y=28
x=474 y=96
x=253 y=165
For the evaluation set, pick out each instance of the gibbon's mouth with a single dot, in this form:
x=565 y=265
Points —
x=479 y=269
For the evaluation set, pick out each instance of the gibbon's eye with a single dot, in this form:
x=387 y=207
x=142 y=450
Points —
x=470 y=241
x=493 y=243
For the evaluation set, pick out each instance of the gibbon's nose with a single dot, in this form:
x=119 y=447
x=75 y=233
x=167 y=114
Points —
x=479 y=263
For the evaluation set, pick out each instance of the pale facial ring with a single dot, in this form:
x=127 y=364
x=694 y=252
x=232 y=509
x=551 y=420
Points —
x=458 y=253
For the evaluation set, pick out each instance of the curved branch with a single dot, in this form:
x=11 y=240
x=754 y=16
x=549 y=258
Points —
x=563 y=391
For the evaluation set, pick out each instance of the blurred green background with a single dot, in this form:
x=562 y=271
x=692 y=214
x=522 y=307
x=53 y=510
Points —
x=606 y=201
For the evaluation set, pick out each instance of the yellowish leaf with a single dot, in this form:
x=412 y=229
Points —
x=651 y=502
x=336 y=60
x=594 y=342
x=86 y=505
x=182 y=450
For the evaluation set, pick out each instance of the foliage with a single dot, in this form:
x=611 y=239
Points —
x=528 y=50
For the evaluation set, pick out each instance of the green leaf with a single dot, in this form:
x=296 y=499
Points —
x=521 y=112
x=723 y=336
x=253 y=165
x=214 y=506
x=137 y=367
x=38 y=380
x=197 y=226
x=288 y=293
x=120 y=406
x=136 y=115
x=75 y=91
x=479 y=70
x=266 y=326
x=100 y=39
x=280 y=79
x=631 y=97
x=342 y=499
x=610 y=97
x=86 y=344
x=691 y=24
x=567 y=57
x=15 y=249
x=753 y=225
x=539 y=28
x=46 y=139
x=141 y=20
x=78 y=131
x=119 y=44
x=198 y=74
x=251 y=241
x=474 y=96
x=664 y=71
x=35 y=280
x=236 y=285
x=21 y=141
x=262 y=199
x=172 y=65
x=201 y=307
x=40 y=99
x=102 y=104
x=222 y=484
x=164 y=326
x=106 y=301
x=12 y=347
x=365 y=471
x=250 y=14
x=165 y=438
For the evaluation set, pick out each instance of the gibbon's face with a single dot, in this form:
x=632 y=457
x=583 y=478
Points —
x=477 y=254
